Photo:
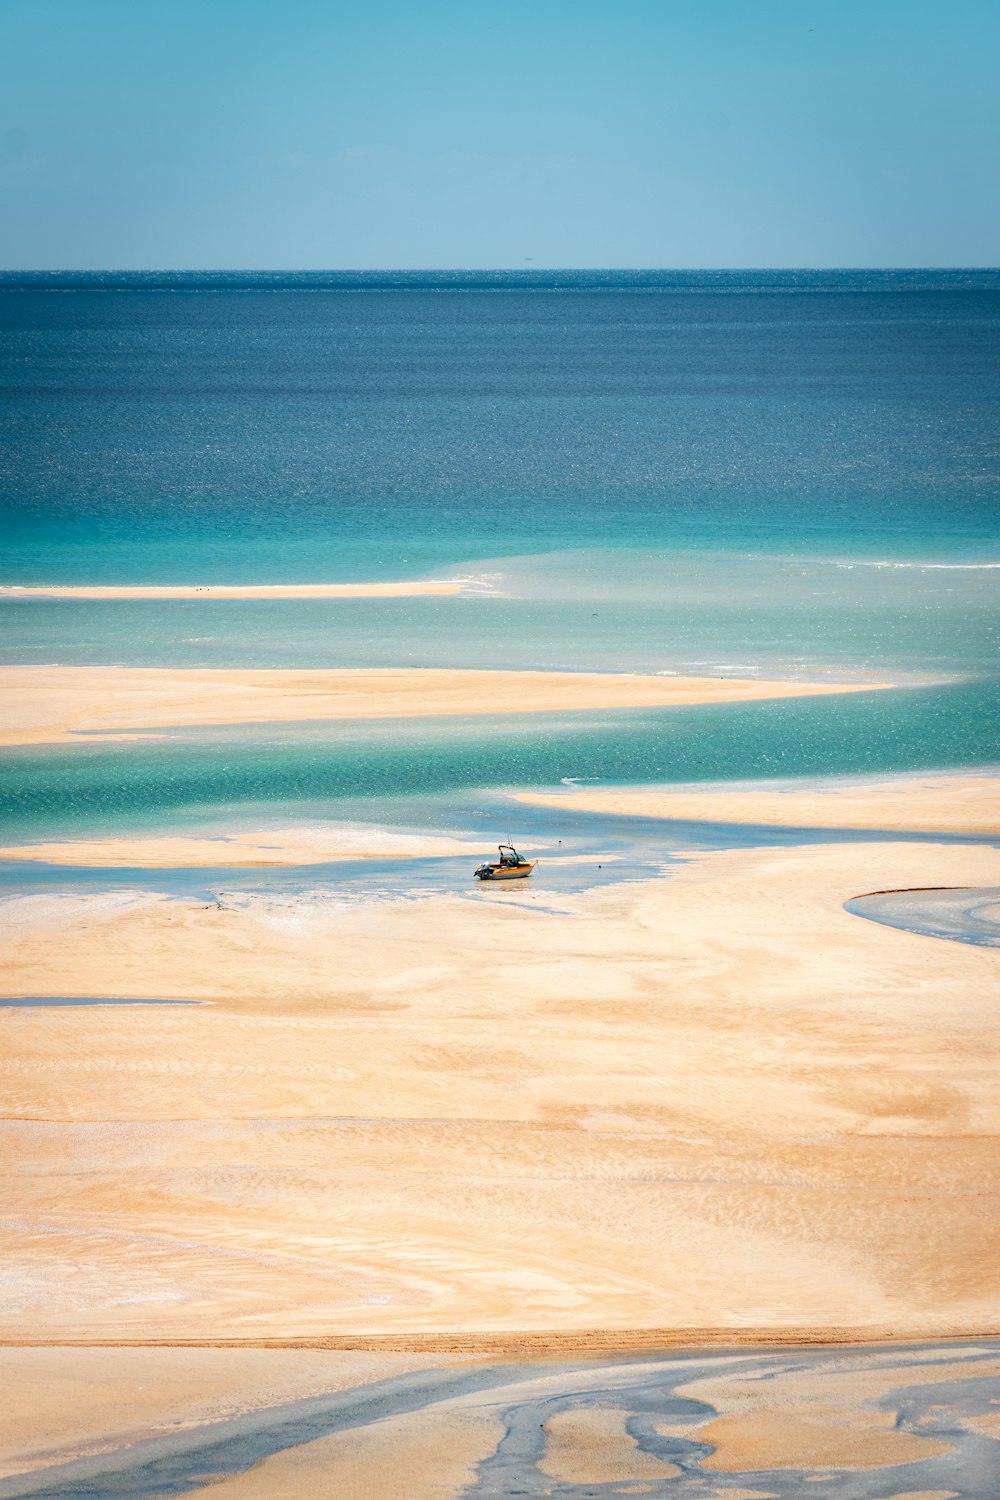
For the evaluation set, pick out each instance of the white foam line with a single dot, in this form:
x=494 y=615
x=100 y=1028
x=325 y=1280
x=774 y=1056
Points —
x=925 y=567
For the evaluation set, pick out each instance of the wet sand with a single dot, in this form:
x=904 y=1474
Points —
x=876 y=1424
x=303 y=845
x=66 y=1404
x=53 y=705
x=958 y=803
x=964 y=915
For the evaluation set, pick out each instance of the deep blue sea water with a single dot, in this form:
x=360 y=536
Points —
x=791 y=472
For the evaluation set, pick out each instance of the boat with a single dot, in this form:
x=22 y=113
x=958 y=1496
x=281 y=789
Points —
x=510 y=866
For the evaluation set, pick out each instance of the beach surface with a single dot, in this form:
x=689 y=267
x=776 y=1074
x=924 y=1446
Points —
x=671 y=1169
x=51 y=705
x=304 y=845
x=721 y=1101
x=935 y=804
x=883 y=1423
x=66 y=1404
x=388 y=590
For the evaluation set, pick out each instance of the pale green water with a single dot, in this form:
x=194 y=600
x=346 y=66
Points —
x=602 y=610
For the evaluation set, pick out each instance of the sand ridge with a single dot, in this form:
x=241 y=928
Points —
x=60 y=705
x=302 y=845
x=957 y=803
x=380 y=590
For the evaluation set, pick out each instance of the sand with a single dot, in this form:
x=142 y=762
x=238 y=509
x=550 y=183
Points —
x=64 y=1404
x=781 y=1442
x=414 y=1457
x=960 y=803
x=593 y=1447
x=719 y=1101
x=837 y=1416
x=52 y=705
x=394 y=590
x=511 y=1428
x=303 y=845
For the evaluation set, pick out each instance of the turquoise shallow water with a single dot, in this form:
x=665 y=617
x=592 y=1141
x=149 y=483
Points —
x=737 y=473
x=596 y=610
x=211 y=430
x=381 y=771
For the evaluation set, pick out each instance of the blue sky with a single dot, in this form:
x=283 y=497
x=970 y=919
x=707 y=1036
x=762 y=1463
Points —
x=253 y=133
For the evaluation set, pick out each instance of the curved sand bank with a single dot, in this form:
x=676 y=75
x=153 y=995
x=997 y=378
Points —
x=932 y=804
x=960 y=915
x=388 y=590
x=719 y=1101
x=320 y=844
x=49 y=705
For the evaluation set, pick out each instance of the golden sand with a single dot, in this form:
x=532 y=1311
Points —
x=319 y=844
x=821 y=1416
x=779 y=1442
x=64 y=1404
x=715 y=1101
x=393 y=590
x=920 y=1495
x=935 y=804
x=421 y=1456
x=592 y=1446
x=50 y=705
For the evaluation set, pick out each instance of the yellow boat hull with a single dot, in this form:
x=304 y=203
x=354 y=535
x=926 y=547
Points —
x=510 y=872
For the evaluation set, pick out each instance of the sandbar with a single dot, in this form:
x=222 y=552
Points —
x=719 y=1100
x=418 y=1456
x=593 y=1446
x=834 y=1414
x=388 y=590
x=961 y=803
x=52 y=705
x=304 y=845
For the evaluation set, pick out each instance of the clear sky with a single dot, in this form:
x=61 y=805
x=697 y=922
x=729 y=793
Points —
x=311 y=134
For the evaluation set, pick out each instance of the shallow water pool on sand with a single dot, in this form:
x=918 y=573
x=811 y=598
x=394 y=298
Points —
x=33 y=1002
x=963 y=914
x=887 y=1421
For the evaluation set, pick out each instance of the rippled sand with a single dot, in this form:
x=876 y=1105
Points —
x=716 y=1101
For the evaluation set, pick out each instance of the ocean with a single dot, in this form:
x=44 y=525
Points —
x=784 y=474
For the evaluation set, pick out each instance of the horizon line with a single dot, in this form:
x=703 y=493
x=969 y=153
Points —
x=441 y=270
